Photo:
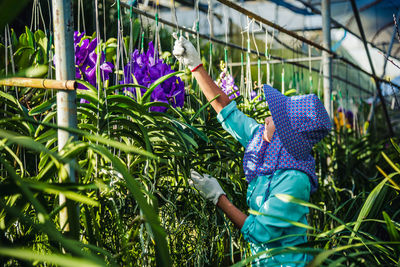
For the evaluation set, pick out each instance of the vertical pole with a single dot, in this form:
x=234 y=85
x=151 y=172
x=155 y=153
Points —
x=326 y=59
x=377 y=83
x=66 y=100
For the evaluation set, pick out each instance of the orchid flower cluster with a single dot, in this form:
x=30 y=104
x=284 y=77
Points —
x=86 y=60
x=227 y=83
x=144 y=69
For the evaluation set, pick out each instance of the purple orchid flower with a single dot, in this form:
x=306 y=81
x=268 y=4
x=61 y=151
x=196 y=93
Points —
x=227 y=84
x=86 y=60
x=145 y=69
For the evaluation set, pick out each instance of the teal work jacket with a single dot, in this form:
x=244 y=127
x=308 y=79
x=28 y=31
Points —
x=267 y=232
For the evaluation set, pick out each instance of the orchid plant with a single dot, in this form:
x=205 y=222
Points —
x=146 y=68
x=86 y=60
x=227 y=83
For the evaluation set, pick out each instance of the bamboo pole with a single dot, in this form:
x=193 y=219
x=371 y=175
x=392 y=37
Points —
x=39 y=83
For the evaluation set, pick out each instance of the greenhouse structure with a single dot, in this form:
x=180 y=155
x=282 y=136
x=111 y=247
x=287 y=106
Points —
x=200 y=133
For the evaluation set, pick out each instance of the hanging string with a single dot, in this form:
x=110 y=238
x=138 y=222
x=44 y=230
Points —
x=41 y=17
x=5 y=62
x=130 y=31
x=249 y=85
x=210 y=19
x=258 y=82
x=268 y=57
x=49 y=50
x=157 y=43
x=242 y=88
x=319 y=79
x=11 y=56
x=173 y=15
x=104 y=20
x=272 y=81
x=309 y=70
x=37 y=16
x=283 y=78
x=396 y=101
x=197 y=21
x=79 y=16
x=296 y=75
x=121 y=49
x=34 y=15
x=226 y=37
x=195 y=28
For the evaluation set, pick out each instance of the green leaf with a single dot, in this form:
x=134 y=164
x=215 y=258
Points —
x=202 y=108
x=57 y=259
x=160 y=80
x=29 y=37
x=396 y=146
x=53 y=189
x=393 y=233
x=45 y=106
x=391 y=163
x=111 y=89
x=368 y=206
x=149 y=212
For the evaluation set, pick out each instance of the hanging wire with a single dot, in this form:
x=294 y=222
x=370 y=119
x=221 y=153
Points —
x=79 y=17
x=5 y=63
x=104 y=20
x=210 y=18
x=258 y=83
x=242 y=88
x=310 y=70
x=225 y=8
x=395 y=96
x=319 y=80
x=197 y=31
x=173 y=15
x=37 y=17
x=34 y=14
x=283 y=78
x=11 y=56
x=120 y=44
x=268 y=57
x=248 y=81
x=130 y=48
x=157 y=43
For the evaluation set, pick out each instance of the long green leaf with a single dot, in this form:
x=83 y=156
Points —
x=45 y=106
x=150 y=214
x=57 y=259
x=160 y=80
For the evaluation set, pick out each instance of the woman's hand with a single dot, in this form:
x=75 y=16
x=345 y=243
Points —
x=185 y=52
x=208 y=186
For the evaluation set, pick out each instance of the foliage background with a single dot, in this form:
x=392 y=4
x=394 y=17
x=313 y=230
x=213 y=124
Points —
x=135 y=206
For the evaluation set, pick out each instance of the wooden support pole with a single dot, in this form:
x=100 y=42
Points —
x=39 y=83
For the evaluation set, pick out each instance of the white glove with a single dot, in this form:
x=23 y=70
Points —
x=207 y=185
x=185 y=52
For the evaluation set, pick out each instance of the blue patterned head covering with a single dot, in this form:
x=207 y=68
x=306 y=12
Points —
x=300 y=123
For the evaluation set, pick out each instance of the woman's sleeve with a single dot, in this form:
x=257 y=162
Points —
x=235 y=122
x=260 y=228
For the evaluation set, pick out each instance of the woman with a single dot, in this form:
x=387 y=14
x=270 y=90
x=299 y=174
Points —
x=277 y=160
